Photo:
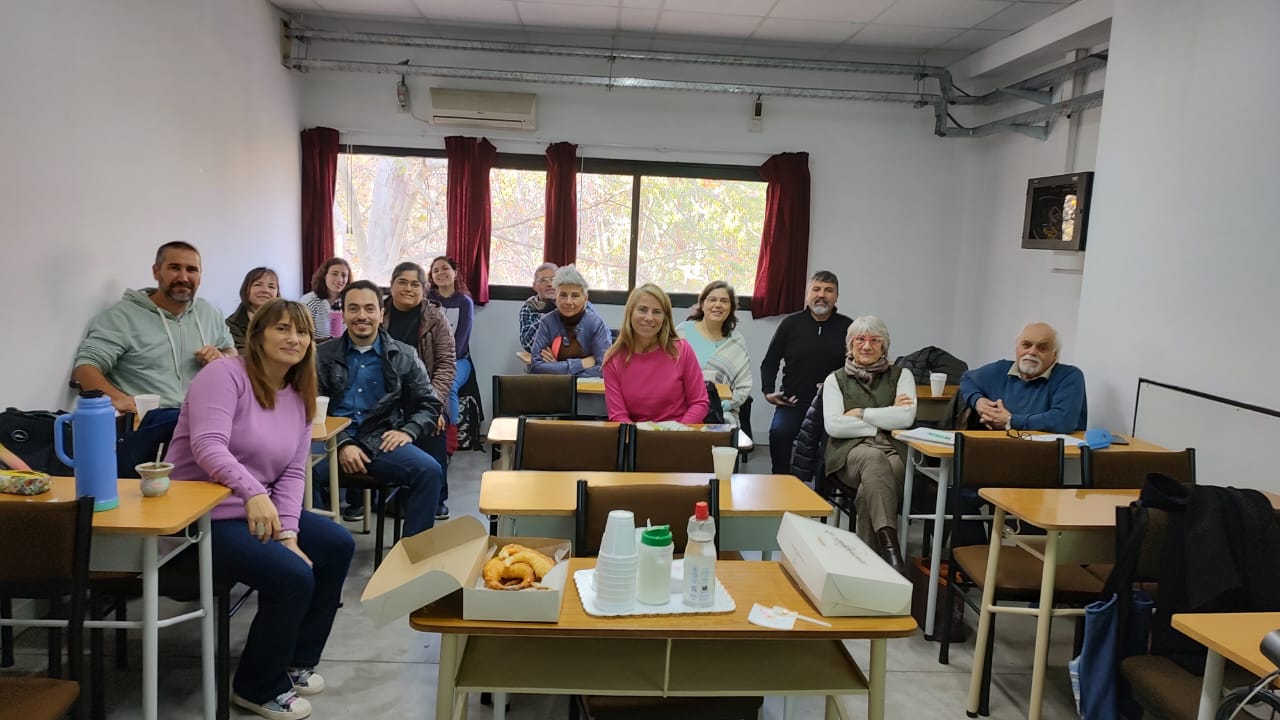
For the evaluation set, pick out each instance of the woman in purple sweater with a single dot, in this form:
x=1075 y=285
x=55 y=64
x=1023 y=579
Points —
x=246 y=424
x=650 y=373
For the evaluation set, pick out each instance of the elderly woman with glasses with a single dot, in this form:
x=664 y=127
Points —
x=572 y=340
x=861 y=404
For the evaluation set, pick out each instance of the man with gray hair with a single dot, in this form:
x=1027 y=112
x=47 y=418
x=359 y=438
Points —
x=1031 y=392
x=541 y=303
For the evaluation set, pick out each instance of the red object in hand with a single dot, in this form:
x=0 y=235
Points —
x=555 y=346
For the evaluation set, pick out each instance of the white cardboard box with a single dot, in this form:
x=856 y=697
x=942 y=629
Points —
x=839 y=573
x=424 y=568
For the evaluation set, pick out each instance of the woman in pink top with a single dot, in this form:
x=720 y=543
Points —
x=246 y=424
x=650 y=373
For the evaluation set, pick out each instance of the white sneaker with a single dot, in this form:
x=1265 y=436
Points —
x=285 y=706
x=306 y=681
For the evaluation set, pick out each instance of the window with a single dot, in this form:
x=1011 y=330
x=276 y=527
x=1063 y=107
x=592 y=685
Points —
x=677 y=225
x=388 y=209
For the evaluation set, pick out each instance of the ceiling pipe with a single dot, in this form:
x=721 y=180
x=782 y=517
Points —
x=1030 y=89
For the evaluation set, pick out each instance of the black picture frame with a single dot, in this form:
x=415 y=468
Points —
x=1057 y=212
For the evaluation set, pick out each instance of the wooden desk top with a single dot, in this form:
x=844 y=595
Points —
x=503 y=431
x=946 y=451
x=185 y=502
x=595 y=386
x=748 y=581
x=925 y=392
x=332 y=426
x=1068 y=508
x=538 y=492
x=1235 y=636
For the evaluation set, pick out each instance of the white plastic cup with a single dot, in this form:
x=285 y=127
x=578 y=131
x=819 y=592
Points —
x=937 y=383
x=146 y=403
x=723 y=459
x=619 y=534
x=322 y=410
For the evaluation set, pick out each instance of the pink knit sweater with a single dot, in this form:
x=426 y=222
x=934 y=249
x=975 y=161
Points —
x=652 y=386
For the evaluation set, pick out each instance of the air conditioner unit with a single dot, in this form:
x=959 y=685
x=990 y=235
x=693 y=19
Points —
x=475 y=108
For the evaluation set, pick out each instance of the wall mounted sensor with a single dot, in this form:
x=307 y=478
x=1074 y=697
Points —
x=757 y=115
x=402 y=95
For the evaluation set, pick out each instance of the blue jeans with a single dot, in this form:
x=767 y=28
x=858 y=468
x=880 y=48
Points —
x=296 y=603
x=436 y=447
x=782 y=436
x=408 y=467
x=459 y=379
x=139 y=445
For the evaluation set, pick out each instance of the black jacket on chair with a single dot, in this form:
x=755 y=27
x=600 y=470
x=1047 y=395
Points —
x=930 y=360
x=806 y=455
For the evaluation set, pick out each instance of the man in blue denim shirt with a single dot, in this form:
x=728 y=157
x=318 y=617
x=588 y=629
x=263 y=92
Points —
x=380 y=384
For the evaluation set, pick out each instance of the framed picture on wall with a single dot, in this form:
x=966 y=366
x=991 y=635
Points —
x=1057 y=212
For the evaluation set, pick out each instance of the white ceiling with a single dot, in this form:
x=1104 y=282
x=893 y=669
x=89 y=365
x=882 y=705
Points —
x=941 y=28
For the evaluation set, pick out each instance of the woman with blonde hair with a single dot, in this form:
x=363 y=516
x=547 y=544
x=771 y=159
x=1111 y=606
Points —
x=246 y=424
x=650 y=373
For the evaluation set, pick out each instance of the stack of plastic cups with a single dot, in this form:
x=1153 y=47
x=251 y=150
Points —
x=617 y=563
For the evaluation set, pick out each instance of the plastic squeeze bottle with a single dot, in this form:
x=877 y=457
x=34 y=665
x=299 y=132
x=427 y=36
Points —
x=700 y=559
x=653 y=584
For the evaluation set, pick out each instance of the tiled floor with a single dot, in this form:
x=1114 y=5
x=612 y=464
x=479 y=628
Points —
x=390 y=672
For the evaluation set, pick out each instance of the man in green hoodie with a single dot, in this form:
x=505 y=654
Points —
x=153 y=340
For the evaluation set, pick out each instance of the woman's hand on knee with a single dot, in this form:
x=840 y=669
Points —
x=292 y=544
x=261 y=515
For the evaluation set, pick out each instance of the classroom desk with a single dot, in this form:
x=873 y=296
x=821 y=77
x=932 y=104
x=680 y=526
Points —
x=930 y=408
x=1235 y=636
x=128 y=539
x=751 y=506
x=595 y=386
x=327 y=434
x=1079 y=528
x=916 y=452
x=503 y=430
x=657 y=656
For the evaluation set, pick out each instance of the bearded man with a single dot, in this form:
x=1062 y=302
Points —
x=1032 y=392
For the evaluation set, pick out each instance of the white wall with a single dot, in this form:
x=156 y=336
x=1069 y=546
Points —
x=883 y=200
x=1181 y=280
x=130 y=124
x=1002 y=286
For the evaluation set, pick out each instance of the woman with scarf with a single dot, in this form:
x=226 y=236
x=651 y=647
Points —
x=572 y=340
x=861 y=404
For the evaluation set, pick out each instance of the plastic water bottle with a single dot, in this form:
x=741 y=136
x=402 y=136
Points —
x=700 y=559
x=653 y=584
x=94 y=439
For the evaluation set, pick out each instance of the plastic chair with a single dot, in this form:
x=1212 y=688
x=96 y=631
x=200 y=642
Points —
x=571 y=445
x=677 y=450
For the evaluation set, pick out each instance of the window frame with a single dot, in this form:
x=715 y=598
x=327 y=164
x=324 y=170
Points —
x=637 y=169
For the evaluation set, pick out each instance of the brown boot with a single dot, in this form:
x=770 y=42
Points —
x=887 y=539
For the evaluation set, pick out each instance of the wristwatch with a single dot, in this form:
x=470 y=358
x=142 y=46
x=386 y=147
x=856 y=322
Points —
x=287 y=535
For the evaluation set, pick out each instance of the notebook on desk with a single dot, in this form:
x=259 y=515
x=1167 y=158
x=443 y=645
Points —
x=929 y=435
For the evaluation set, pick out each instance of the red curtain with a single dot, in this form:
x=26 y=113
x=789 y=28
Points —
x=470 y=160
x=319 y=174
x=561 y=243
x=784 y=244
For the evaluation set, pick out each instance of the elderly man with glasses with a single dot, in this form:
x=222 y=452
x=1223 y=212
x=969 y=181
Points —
x=540 y=303
x=1031 y=392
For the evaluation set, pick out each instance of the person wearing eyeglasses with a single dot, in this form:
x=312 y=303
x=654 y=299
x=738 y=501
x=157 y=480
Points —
x=1032 y=392
x=540 y=303
x=862 y=403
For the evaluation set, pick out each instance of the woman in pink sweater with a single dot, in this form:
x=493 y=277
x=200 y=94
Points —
x=246 y=424
x=650 y=373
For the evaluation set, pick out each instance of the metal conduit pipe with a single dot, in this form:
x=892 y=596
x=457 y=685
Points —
x=612 y=82
x=1025 y=122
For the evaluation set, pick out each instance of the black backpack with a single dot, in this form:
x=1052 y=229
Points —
x=29 y=435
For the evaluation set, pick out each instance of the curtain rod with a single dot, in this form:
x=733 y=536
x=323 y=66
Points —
x=762 y=154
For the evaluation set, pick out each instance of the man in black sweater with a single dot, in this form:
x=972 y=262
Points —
x=810 y=344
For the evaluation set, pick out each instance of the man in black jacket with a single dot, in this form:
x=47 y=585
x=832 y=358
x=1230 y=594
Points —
x=810 y=345
x=381 y=385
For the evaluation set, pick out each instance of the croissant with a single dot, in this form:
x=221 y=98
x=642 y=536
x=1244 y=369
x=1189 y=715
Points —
x=540 y=562
x=498 y=575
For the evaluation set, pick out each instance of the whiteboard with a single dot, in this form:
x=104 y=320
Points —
x=1236 y=444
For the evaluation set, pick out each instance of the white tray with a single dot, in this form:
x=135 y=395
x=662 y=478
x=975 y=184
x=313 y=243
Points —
x=583 y=580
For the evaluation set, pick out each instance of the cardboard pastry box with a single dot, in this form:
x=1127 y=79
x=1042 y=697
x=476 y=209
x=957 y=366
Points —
x=839 y=573
x=450 y=556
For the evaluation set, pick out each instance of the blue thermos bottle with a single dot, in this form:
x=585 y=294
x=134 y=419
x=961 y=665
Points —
x=94 y=437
